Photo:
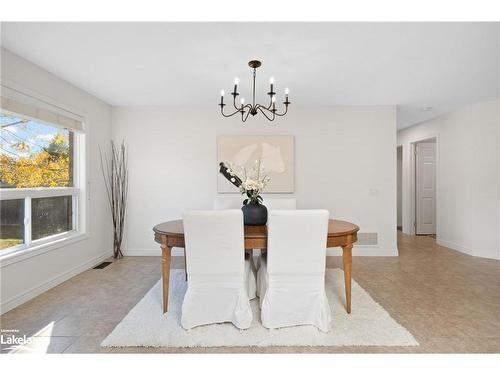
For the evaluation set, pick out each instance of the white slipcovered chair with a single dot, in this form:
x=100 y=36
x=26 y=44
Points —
x=218 y=273
x=291 y=281
x=280 y=204
x=230 y=201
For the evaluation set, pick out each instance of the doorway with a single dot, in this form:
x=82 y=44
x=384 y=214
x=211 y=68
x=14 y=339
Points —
x=425 y=186
x=399 y=178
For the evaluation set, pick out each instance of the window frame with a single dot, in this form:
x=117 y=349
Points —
x=77 y=191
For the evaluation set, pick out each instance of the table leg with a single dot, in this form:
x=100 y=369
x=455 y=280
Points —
x=165 y=261
x=347 y=259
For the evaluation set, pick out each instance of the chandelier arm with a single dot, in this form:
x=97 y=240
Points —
x=265 y=109
x=284 y=113
x=246 y=106
x=261 y=109
x=234 y=102
x=243 y=117
x=270 y=102
x=232 y=114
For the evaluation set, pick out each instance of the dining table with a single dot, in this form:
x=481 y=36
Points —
x=342 y=234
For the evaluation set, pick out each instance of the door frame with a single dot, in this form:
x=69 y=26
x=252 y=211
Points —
x=413 y=182
x=400 y=181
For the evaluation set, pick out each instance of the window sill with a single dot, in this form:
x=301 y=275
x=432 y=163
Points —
x=33 y=251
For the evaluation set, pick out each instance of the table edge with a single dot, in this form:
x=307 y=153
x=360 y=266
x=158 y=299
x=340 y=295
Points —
x=338 y=234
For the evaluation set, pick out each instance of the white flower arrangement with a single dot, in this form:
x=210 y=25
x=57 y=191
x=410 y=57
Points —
x=251 y=183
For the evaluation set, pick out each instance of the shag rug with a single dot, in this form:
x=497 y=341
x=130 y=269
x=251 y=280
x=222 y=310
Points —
x=368 y=324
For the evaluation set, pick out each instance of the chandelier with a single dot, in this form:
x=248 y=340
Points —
x=269 y=111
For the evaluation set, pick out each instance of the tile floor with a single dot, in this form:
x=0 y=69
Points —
x=449 y=301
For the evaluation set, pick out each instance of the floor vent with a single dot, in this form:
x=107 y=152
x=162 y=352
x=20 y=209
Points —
x=102 y=265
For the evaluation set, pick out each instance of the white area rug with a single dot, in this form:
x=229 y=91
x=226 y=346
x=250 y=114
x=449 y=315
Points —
x=368 y=324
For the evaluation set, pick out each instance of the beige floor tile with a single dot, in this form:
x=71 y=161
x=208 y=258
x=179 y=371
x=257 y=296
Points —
x=448 y=300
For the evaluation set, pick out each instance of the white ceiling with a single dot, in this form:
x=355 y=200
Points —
x=412 y=65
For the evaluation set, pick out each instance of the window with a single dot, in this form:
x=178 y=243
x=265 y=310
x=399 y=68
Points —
x=51 y=216
x=40 y=191
x=12 y=223
x=34 y=154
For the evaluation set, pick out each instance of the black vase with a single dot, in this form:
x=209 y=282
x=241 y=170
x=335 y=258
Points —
x=254 y=214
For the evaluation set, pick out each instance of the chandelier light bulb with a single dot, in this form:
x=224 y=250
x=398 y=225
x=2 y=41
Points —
x=242 y=100
x=274 y=99
x=222 y=92
x=236 y=80
x=271 y=80
x=287 y=91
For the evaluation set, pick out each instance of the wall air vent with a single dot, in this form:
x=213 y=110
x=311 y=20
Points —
x=367 y=239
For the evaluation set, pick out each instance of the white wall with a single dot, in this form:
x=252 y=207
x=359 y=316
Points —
x=25 y=279
x=345 y=161
x=468 y=173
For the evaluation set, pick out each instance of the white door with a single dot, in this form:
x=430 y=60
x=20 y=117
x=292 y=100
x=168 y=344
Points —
x=426 y=188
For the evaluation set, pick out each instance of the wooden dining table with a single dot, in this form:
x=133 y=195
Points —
x=340 y=233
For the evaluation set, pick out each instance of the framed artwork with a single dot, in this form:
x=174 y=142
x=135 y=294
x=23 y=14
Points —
x=275 y=151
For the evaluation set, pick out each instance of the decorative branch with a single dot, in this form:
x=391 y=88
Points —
x=115 y=172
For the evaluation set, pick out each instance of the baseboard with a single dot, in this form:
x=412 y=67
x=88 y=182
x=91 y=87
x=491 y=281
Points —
x=336 y=251
x=176 y=251
x=51 y=283
x=454 y=246
x=365 y=251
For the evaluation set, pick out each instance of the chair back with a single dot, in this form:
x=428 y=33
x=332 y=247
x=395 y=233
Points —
x=297 y=242
x=214 y=242
x=280 y=203
x=232 y=201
